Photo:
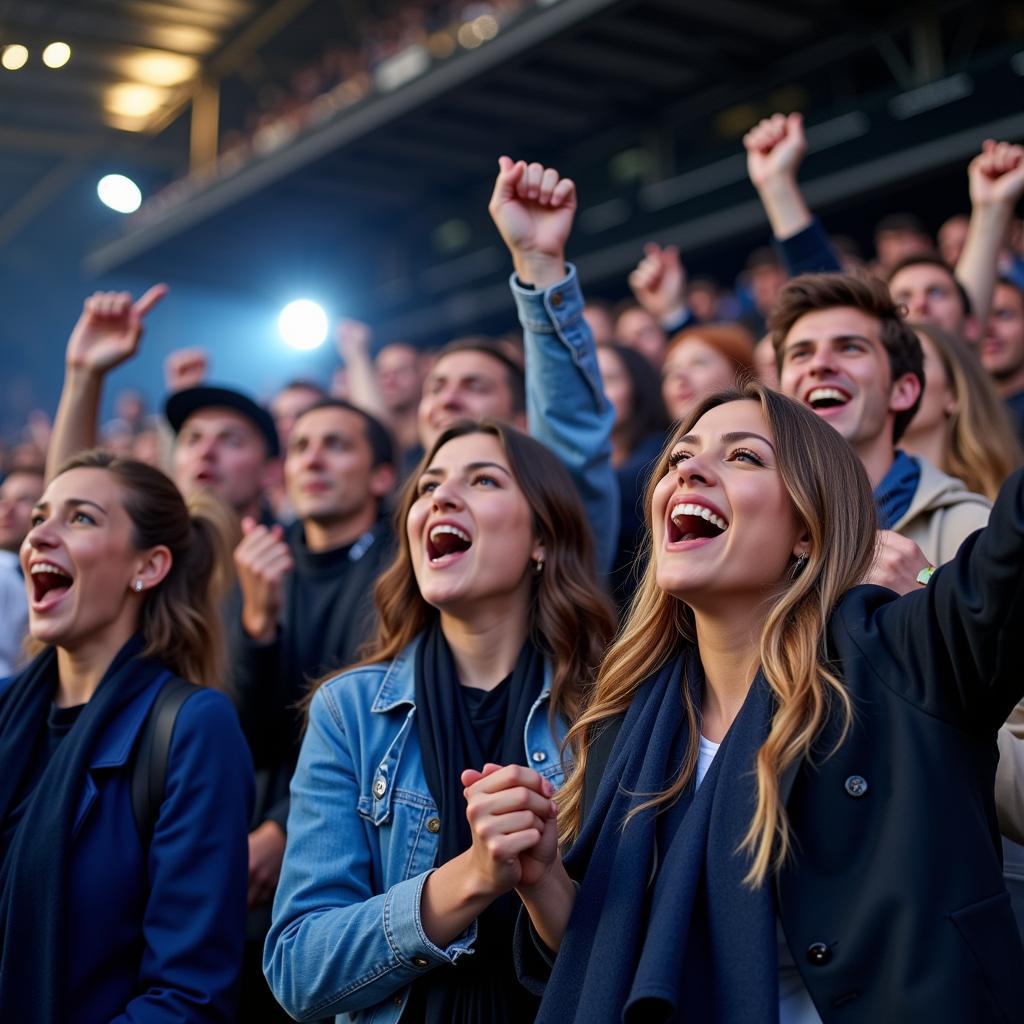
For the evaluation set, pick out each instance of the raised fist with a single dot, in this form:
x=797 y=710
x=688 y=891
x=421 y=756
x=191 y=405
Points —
x=996 y=174
x=659 y=282
x=185 y=368
x=775 y=148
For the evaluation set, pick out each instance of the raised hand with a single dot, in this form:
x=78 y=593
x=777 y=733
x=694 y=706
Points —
x=996 y=175
x=109 y=329
x=775 y=148
x=898 y=561
x=659 y=282
x=185 y=368
x=514 y=823
x=263 y=561
x=533 y=208
x=352 y=339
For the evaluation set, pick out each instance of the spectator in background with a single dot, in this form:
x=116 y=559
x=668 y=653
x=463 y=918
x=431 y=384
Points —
x=961 y=426
x=19 y=492
x=702 y=298
x=952 y=237
x=899 y=236
x=766 y=366
x=640 y=330
x=633 y=387
x=1002 y=352
x=763 y=277
x=930 y=293
x=399 y=369
x=304 y=613
x=290 y=402
x=599 y=318
x=702 y=360
x=130 y=408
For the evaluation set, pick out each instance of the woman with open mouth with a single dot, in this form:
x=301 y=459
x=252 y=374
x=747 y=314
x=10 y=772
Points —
x=117 y=904
x=782 y=801
x=491 y=627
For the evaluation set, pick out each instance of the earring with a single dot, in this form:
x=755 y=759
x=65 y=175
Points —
x=538 y=566
x=798 y=566
x=138 y=586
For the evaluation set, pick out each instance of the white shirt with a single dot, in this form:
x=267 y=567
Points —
x=795 y=1005
x=13 y=613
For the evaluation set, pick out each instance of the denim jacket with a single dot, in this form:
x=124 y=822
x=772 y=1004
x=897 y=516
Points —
x=566 y=407
x=347 y=937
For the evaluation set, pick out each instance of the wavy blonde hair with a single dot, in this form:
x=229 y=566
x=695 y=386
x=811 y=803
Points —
x=832 y=497
x=981 y=446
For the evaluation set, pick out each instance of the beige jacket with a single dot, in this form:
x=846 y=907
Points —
x=1010 y=776
x=942 y=514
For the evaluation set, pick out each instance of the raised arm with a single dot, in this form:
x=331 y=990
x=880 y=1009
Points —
x=107 y=334
x=996 y=178
x=353 y=343
x=775 y=150
x=533 y=208
x=659 y=284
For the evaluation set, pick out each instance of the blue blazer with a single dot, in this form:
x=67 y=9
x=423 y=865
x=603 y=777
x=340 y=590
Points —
x=156 y=935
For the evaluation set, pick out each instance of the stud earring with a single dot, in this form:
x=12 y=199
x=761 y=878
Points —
x=538 y=566
x=138 y=586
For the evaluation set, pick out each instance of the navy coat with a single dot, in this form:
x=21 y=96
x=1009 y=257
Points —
x=156 y=935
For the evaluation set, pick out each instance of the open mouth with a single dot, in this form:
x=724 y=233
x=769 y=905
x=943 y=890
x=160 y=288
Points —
x=50 y=583
x=445 y=542
x=689 y=521
x=822 y=399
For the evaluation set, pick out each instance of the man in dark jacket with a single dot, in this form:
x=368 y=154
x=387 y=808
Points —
x=306 y=609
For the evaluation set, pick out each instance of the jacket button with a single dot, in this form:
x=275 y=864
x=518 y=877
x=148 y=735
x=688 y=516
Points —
x=434 y=825
x=556 y=299
x=419 y=961
x=380 y=787
x=818 y=954
x=539 y=757
x=856 y=785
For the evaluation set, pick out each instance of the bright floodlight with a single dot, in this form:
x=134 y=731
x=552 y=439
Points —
x=303 y=324
x=119 y=193
x=14 y=57
x=56 y=55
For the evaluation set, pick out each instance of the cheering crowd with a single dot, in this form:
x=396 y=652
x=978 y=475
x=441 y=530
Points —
x=647 y=665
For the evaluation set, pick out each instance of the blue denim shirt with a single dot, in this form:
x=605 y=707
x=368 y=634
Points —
x=347 y=937
x=566 y=407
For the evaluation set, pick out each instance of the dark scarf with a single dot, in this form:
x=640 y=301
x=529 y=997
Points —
x=664 y=929
x=896 y=490
x=33 y=876
x=482 y=988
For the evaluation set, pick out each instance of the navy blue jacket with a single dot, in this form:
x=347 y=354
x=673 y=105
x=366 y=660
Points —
x=156 y=935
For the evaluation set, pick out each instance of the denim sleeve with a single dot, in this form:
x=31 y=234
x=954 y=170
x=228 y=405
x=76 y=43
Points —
x=194 y=921
x=566 y=407
x=337 y=945
x=809 y=251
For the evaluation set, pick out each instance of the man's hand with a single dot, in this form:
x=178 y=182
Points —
x=109 y=329
x=352 y=339
x=266 y=852
x=185 y=368
x=659 y=283
x=775 y=149
x=263 y=561
x=533 y=208
x=996 y=175
x=898 y=561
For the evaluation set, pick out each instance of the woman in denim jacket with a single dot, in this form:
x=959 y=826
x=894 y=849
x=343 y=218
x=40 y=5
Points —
x=491 y=628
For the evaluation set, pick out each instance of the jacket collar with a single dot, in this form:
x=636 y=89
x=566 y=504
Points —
x=398 y=687
x=115 y=745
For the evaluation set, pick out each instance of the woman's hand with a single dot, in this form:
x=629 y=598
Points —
x=108 y=331
x=514 y=823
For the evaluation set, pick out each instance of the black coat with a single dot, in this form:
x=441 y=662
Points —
x=893 y=903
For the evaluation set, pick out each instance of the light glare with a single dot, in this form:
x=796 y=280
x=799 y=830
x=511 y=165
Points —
x=56 y=55
x=303 y=325
x=15 y=57
x=119 y=193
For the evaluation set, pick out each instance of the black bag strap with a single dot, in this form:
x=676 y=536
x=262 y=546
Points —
x=149 y=768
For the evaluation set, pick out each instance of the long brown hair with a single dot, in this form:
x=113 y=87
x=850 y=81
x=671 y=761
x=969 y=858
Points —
x=832 y=497
x=981 y=447
x=180 y=619
x=570 y=618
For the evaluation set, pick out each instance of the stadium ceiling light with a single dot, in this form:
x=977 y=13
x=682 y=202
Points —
x=56 y=55
x=303 y=325
x=14 y=57
x=119 y=193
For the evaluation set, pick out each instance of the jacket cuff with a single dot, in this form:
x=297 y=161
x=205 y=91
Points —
x=403 y=926
x=553 y=310
x=809 y=251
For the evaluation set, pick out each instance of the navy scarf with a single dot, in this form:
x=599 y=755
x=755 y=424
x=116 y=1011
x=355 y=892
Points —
x=664 y=928
x=33 y=876
x=896 y=490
